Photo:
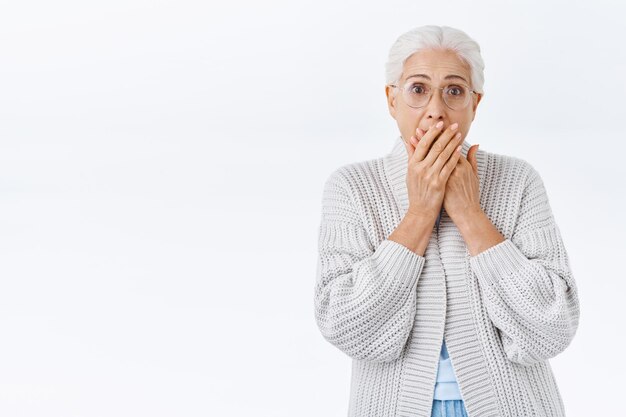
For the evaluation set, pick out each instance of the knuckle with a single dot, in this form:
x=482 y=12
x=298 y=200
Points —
x=438 y=147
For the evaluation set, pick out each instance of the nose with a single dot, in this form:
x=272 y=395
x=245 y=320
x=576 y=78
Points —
x=435 y=109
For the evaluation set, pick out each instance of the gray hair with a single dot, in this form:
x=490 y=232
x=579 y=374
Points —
x=436 y=37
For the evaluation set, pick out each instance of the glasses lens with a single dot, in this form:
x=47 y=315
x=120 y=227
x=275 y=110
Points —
x=456 y=96
x=416 y=94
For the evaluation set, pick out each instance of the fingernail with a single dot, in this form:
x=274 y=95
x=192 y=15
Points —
x=420 y=132
x=438 y=125
x=458 y=136
x=454 y=126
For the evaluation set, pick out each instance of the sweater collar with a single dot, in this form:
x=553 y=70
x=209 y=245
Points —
x=396 y=162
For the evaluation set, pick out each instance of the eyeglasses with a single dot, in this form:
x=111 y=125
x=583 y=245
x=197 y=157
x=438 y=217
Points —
x=418 y=94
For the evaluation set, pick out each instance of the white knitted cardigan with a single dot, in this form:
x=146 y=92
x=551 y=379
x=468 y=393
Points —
x=504 y=312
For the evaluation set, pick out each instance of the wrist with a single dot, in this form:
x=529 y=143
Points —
x=421 y=215
x=469 y=217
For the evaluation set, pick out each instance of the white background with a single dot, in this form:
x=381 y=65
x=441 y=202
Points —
x=161 y=169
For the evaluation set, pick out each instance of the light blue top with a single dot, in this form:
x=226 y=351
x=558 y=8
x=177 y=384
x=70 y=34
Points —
x=446 y=387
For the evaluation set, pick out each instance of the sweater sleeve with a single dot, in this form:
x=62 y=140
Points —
x=365 y=296
x=527 y=284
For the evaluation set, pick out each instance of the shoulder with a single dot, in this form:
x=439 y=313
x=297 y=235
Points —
x=355 y=187
x=355 y=177
x=510 y=170
x=512 y=188
x=347 y=191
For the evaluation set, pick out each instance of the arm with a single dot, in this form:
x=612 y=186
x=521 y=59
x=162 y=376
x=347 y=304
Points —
x=365 y=297
x=528 y=288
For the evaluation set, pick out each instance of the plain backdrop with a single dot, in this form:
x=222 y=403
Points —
x=161 y=170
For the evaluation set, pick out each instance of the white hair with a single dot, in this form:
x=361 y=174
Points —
x=436 y=37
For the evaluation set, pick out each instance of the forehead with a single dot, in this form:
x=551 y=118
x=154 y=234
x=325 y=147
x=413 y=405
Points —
x=437 y=64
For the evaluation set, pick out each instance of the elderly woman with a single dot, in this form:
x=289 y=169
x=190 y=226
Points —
x=441 y=271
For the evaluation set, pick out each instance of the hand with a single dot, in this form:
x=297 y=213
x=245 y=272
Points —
x=462 y=192
x=431 y=162
x=462 y=189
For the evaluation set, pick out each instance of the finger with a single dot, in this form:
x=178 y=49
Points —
x=440 y=149
x=426 y=141
x=451 y=164
x=471 y=157
x=448 y=151
x=418 y=136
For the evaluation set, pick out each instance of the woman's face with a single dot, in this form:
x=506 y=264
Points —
x=436 y=65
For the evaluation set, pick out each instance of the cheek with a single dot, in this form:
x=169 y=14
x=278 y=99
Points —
x=465 y=130
x=465 y=122
x=409 y=120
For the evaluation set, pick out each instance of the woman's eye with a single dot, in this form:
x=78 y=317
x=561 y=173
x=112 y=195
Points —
x=418 y=89
x=455 y=91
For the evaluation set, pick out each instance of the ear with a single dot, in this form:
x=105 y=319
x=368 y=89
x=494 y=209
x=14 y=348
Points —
x=475 y=104
x=391 y=100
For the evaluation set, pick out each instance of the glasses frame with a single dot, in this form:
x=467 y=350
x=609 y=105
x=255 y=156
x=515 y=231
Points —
x=432 y=92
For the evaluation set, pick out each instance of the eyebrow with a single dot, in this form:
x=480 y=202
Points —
x=447 y=77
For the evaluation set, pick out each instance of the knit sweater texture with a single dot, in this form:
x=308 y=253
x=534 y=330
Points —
x=503 y=312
